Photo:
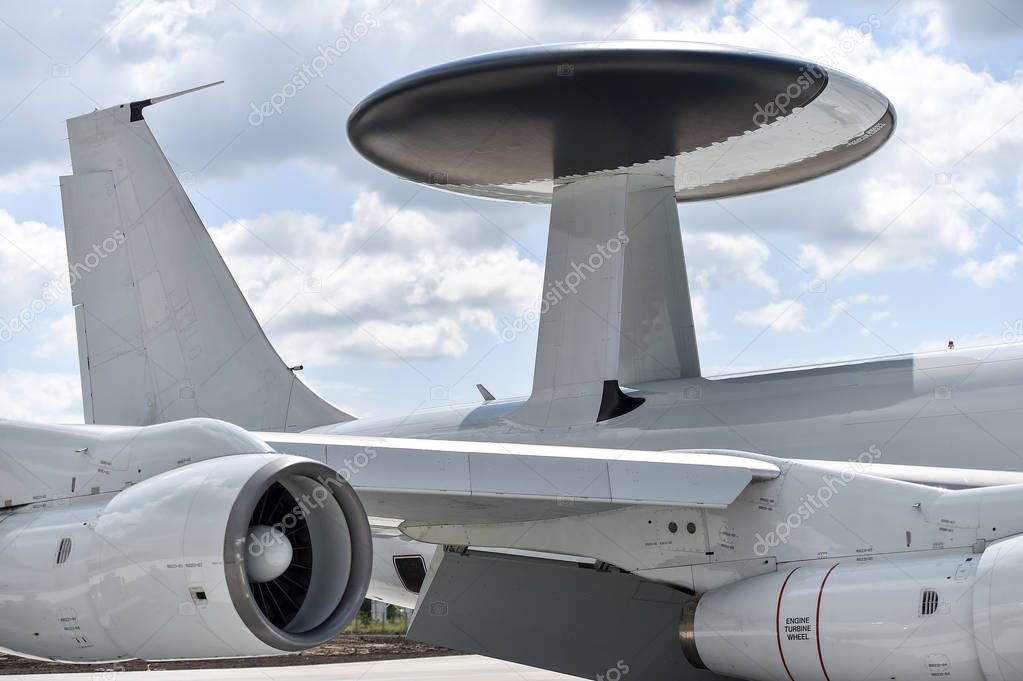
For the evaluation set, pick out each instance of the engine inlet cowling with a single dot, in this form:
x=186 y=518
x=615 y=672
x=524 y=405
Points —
x=305 y=507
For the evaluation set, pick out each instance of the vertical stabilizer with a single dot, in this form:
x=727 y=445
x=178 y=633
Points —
x=164 y=332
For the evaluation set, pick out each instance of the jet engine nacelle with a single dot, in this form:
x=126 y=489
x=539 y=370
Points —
x=955 y=616
x=244 y=555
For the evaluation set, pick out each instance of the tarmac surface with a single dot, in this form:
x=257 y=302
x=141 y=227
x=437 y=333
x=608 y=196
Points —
x=448 y=668
x=348 y=647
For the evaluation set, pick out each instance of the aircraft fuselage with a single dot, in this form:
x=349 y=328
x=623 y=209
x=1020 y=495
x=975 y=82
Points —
x=955 y=409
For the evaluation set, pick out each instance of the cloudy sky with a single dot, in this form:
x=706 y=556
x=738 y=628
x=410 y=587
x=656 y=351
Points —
x=394 y=297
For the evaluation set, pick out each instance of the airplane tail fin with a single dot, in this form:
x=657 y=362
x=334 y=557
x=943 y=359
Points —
x=164 y=333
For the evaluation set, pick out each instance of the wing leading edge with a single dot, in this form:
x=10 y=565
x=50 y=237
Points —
x=433 y=481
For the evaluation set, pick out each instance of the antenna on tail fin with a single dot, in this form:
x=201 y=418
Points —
x=137 y=107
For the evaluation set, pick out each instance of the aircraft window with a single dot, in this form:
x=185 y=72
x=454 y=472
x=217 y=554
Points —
x=411 y=571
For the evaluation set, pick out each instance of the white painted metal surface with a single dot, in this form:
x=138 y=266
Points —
x=125 y=590
x=767 y=515
x=998 y=611
x=581 y=306
x=165 y=332
x=907 y=618
x=596 y=325
x=841 y=115
x=157 y=542
x=386 y=586
x=495 y=482
x=158 y=570
x=44 y=463
x=805 y=514
x=952 y=478
x=657 y=333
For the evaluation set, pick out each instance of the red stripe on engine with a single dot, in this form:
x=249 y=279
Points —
x=777 y=624
x=817 y=627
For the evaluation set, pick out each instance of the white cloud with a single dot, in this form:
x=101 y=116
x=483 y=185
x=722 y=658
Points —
x=166 y=25
x=861 y=298
x=505 y=18
x=59 y=340
x=32 y=258
x=380 y=341
x=1002 y=267
x=781 y=315
x=701 y=318
x=31 y=176
x=843 y=307
x=948 y=111
x=716 y=259
x=391 y=284
x=567 y=20
x=901 y=226
x=942 y=21
x=42 y=397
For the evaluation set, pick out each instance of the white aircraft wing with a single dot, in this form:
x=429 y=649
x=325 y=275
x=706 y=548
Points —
x=433 y=481
x=659 y=527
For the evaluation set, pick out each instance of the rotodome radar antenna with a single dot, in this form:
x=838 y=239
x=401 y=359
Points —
x=516 y=124
x=612 y=135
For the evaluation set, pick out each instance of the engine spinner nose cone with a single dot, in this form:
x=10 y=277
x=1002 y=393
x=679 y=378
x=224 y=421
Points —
x=268 y=553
